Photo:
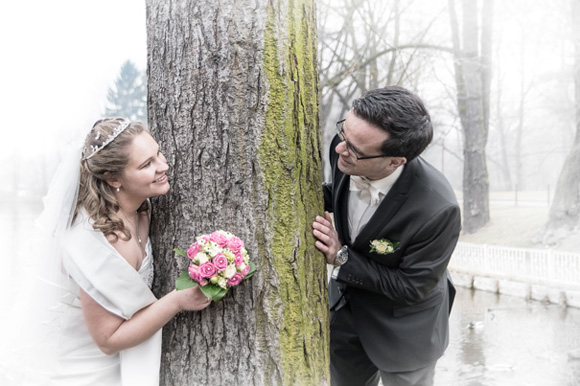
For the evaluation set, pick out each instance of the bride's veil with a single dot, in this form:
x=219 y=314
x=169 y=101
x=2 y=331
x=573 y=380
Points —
x=30 y=330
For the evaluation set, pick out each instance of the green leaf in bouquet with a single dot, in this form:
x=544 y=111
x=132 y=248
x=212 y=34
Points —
x=220 y=294
x=180 y=252
x=184 y=281
x=252 y=270
x=210 y=290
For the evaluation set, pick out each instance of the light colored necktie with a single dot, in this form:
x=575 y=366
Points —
x=365 y=206
x=363 y=185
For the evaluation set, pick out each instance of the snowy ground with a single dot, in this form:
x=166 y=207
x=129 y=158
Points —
x=515 y=224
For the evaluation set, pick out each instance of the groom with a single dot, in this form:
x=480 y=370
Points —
x=396 y=224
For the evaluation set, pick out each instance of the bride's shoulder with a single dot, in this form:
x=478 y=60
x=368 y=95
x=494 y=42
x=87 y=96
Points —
x=81 y=223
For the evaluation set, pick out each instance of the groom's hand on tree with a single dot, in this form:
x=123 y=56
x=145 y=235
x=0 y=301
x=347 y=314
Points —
x=327 y=242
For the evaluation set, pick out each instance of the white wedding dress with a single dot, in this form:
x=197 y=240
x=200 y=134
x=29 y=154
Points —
x=63 y=352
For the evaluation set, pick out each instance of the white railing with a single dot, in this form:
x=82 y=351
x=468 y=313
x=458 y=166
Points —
x=536 y=266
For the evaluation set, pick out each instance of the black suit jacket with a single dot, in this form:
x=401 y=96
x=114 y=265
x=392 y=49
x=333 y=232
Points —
x=400 y=301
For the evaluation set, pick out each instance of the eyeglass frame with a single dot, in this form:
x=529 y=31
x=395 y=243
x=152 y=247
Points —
x=349 y=147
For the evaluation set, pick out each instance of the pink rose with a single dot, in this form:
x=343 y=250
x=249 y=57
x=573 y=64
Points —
x=234 y=280
x=193 y=250
x=194 y=273
x=220 y=262
x=239 y=259
x=245 y=270
x=235 y=244
x=219 y=238
x=207 y=270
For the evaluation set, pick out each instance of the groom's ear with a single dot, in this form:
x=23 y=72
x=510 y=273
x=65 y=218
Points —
x=395 y=162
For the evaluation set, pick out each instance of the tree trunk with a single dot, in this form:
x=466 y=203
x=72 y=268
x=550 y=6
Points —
x=565 y=209
x=472 y=78
x=233 y=90
x=503 y=136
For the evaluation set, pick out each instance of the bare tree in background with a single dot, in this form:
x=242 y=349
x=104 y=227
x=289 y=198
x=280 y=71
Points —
x=362 y=47
x=565 y=208
x=509 y=120
x=233 y=89
x=473 y=79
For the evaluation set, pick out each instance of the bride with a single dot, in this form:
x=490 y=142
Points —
x=94 y=319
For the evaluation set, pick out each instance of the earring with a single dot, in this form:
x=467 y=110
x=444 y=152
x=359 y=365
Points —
x=118 y=189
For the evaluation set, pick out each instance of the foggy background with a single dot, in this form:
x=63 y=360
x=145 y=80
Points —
x=61 y=57
x=531 y=88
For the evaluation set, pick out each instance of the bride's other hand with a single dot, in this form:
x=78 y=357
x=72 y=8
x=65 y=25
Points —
x=192 y=299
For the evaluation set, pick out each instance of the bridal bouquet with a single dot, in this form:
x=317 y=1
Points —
x=217 y=261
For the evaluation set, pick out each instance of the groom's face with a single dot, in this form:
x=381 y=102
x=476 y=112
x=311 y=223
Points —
x=364 y=139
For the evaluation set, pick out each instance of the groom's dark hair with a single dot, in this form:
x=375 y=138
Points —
x=402 y=115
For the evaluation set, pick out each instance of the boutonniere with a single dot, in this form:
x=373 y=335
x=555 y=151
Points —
x=383 y=246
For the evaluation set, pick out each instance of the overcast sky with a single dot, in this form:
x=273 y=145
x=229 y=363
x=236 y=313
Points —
x=59 y=57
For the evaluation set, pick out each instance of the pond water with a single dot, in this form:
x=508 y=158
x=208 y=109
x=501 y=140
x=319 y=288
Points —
x=496 y=340
x=500 y=340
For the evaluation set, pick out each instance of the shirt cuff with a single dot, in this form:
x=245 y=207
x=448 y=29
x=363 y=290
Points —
x=335 y=272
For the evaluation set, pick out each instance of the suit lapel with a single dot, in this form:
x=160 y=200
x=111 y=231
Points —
x=388 y=207
x=341 y=201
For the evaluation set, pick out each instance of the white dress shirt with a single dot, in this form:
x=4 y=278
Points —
x=365 y=197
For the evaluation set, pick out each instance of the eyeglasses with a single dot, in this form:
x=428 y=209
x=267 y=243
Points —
x=349 y=147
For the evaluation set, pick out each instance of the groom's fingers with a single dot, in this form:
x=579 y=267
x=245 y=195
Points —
x=321 y=226
x=319 y=231
x=321 y=246
x=324 y=237
x=328 y=218
x=324 y=232
x=323 y=221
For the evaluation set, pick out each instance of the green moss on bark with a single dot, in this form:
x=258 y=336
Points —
x=289 y=156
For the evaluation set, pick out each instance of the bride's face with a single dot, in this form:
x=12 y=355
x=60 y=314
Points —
x=144 y=176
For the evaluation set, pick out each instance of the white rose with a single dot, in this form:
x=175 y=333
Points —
x=212 y=249
x=201 y=258
x=381 y=248
x=230 y=271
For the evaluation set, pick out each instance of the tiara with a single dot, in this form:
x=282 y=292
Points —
x=118 y=130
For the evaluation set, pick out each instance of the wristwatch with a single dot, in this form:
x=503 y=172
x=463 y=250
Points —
x=341 y=256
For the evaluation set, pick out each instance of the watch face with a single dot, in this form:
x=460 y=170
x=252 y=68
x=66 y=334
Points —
x=341 y=257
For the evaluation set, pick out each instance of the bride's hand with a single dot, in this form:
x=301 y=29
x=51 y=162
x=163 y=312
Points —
x=192 y=299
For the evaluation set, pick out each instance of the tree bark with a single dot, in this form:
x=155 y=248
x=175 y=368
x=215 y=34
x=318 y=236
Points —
x=564 y=212
x=233 y=102
x=473 y=79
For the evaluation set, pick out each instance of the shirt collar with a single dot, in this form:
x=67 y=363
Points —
x=386 y=183
x=377 y=188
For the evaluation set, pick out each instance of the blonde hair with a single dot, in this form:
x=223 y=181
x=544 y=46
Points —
x=96 y=196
